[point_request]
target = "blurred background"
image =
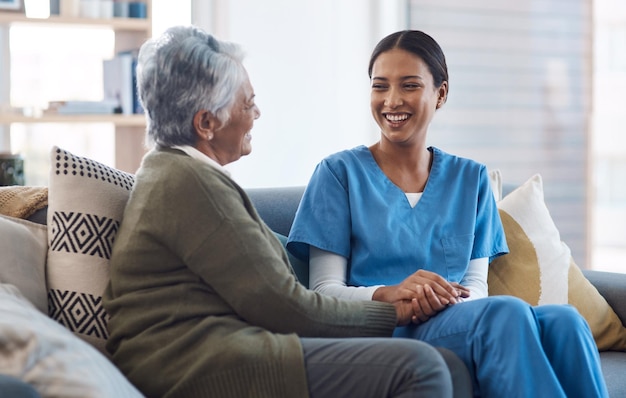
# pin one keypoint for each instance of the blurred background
(536, 86)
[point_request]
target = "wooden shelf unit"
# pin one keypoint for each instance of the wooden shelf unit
(117, 120)
(130, 33)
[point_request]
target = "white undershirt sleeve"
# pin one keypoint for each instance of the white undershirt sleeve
(475, 278)
(327, 275)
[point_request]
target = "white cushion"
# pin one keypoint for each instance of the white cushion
(49, 357)
(23, 248)
(540, 269)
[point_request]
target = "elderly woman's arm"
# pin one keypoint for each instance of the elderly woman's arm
(239, 257)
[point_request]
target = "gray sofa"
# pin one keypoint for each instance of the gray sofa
(277, 207)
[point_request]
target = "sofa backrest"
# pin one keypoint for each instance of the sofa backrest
(277, 206)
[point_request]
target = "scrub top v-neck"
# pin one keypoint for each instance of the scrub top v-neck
(350, 207)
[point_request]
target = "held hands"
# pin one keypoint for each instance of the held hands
(427, 293)
(405, 310)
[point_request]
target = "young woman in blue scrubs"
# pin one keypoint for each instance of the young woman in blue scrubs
(400, 219)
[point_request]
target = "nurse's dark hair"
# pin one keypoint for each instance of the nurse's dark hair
(418, 43)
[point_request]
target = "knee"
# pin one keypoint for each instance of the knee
(462, 383)
(420, 353)
(563, 316)
(508, 309)
(426, 363)
(508, 315)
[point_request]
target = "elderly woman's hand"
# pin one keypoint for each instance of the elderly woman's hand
(405, 311)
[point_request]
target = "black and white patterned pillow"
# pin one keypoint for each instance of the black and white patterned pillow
(86, 201)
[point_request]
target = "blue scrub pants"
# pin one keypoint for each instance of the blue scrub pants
(515, 350)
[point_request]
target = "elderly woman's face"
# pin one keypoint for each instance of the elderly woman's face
(232, 141)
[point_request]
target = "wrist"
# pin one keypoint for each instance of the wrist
(382, 294)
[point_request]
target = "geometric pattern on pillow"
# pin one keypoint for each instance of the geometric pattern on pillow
(86, 201)
(83, 233)
(79, 312)
(540, 269)
(65, 163)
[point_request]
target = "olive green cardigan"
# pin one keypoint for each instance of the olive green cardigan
(202, 299)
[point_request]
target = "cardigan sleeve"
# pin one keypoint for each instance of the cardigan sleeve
(230, 248)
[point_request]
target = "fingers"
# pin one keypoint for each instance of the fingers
(427, 303)
(462, 290)
(416, 310)
(405, 311)
(442, 287)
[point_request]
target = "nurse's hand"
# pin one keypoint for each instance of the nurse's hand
(462, 290)
(412, 287)
(432, 292)
(428, 304)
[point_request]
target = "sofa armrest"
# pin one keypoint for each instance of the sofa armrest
(612, 286)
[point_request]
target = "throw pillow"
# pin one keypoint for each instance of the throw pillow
(540, 269)
(24, 245)
(86, 201)
(42, 353)
(22, 201)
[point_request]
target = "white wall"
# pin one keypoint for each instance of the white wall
(308, 64)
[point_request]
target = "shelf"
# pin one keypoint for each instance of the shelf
(117, 24)
(117, 120)
(130, 34)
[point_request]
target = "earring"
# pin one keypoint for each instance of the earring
(209, 137)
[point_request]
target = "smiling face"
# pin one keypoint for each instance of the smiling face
(404, 97)
(229, 142)
(233, 140)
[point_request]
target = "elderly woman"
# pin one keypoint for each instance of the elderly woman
(202, 300)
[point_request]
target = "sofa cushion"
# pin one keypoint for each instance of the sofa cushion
(613, 368)
(42, 353)
(540, 269)
(24, 245)
(86, 201)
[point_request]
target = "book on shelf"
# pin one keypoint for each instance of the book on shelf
(83, 107)
(120, 82)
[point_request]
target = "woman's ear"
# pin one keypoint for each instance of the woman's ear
(205, 124)
(443, 94)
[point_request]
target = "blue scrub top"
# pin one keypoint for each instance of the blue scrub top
(351, 208)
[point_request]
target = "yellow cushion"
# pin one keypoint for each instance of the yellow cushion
(540, 269)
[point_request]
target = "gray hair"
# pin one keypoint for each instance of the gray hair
(183, 71)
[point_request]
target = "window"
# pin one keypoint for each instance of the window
(609, 142)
